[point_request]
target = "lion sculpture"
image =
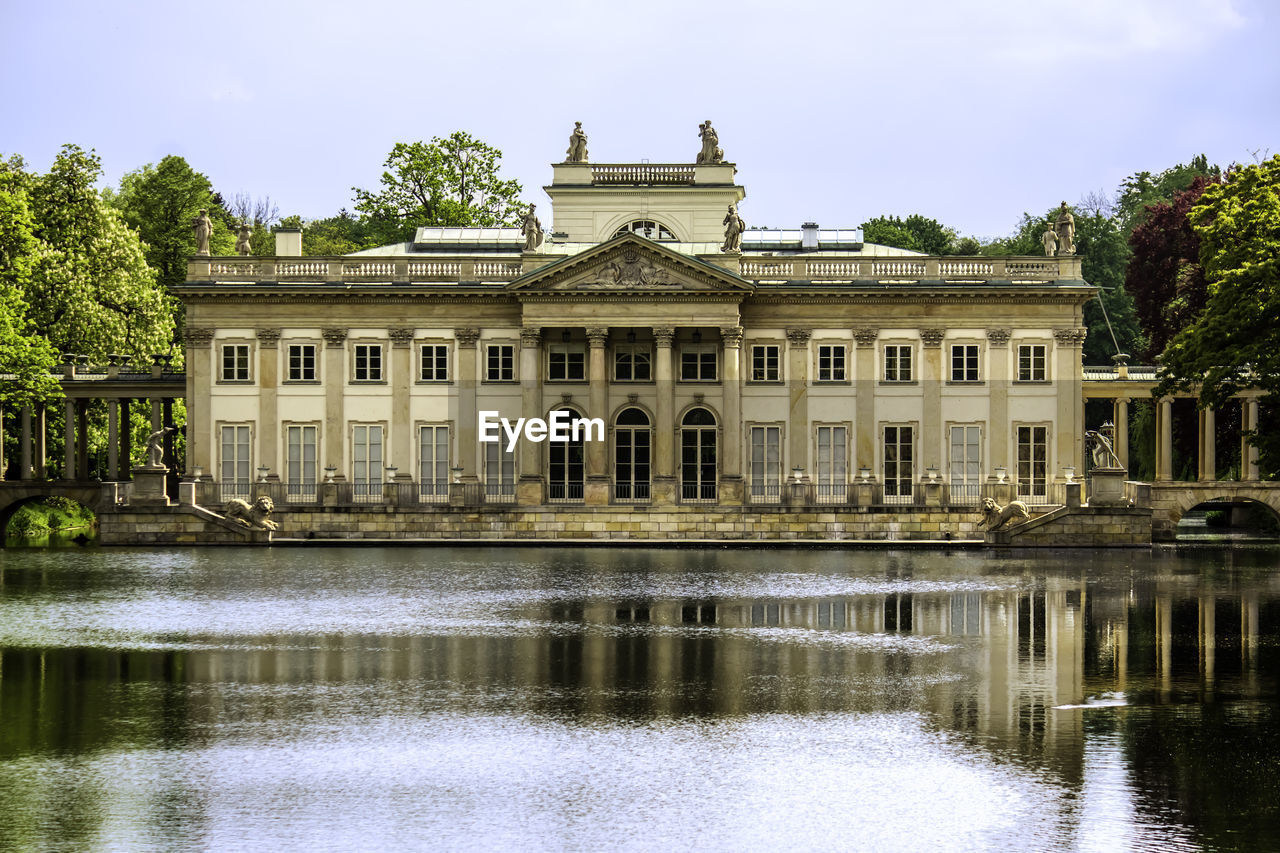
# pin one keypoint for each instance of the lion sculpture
(252, 515)
(997, 516)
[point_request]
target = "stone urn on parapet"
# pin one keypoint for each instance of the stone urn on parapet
(149, 477)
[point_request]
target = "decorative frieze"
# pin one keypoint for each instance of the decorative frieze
(998, 337)
(732, 335)
(466, 337)
(530, 336)
(799, 338)
(334, 338)
(196, 337)
(932, 338)
(865, 337)
(268, 338)
(400, 338)
(663, 337)
(1070, 337)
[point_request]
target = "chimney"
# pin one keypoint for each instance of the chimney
(809, 236)
(288, 242)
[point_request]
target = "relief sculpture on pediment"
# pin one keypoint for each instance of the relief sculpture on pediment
(629, 270)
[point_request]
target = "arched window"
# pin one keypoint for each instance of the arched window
(631, 454)
(698, 456)
(646, 228)
(566, 461)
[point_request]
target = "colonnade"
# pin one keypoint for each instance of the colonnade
(1206, 441)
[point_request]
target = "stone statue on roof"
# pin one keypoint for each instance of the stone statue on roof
(733, 228)
(577, 152)
(242, 239)
(1050, 240)
(711, 151)
(531, 228)
(203, 226)
(1066, 228)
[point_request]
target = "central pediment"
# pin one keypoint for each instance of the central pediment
(630, 264)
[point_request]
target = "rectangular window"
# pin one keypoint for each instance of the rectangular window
(966, 463)
(831, 360)
(964, 363)
(1031, 363)
(433, 464)
(899, 464)
(698, 364)
(766, 464)
(368, 366)
(566, 363)
(632, 363)
(366, 463)
(302, 362)
(832, 474)
(1033, 461)
(897, 363)
(236, 473)
(235, 362)
(765, 361)
(500, 363)
(300, 462)
(435, 363)
(499, 473)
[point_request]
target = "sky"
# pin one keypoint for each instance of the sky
(834, 112)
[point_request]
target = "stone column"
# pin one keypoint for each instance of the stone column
(1207, 448)
(27, 470)
(798, 386)
(126, 437)
(998, 400)
(113, 439)
(1164, 642)
(597, 485)
(42, 442)
(931, 415)
(467, 408)
(69, 446)
(1068, 376)
(335, 417)
(731, 484)
(268, 414)
(864, 391)
(3, 462)
(1120, 417)
(1248, 450)
(1164, 439)
(529, 491)
(157, 413)
(664, 431)
(200, 448)
(1208, 638)
(401, 425)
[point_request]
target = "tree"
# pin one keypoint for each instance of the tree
(1142, 190)
(916, 233)
(450, 181)
(1234, 343)
(1164, 274)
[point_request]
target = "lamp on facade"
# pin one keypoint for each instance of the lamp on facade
(263, 471)
(631, 336)
(564, 336)
(329, 472)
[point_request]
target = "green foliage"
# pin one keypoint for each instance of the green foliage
(916, 233)
(1235, 342)
(1142, 189)
(450, 181)
(42, 517)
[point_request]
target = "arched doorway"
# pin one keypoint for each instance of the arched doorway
(566, 464)
(631, 456)
(698, 442)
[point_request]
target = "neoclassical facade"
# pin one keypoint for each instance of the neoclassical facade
(724, 366)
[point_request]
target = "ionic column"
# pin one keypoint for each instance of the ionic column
(200, 448)
(1249, 450)
(113, 439)
(268, 415)
(664, 485)
(335, 384)
(1164, 439)
(931, 416)
(864, 390)
(798, 388)
(69, 440)
(529, 490)
(467, 407)
(731, 485)
(1120, 417)
(597, 486)
(1208, 446)
(998, 400)
(27, 471)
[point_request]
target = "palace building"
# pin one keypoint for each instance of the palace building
(727, 365)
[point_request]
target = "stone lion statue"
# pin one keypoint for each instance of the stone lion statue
(997, 516)
(252, 515)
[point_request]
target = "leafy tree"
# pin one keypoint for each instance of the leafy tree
(1142, 190)
(1164, 274)
(916, 233)
(1234, 343)
(450, 181)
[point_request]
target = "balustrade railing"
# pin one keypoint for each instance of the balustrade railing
(642, 173)
(764, 493)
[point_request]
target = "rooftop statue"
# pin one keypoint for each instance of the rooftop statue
(1066, 228)
(242, 239)
(203, 226)
(1050, 240)
(531, 228)
(577, 152)
(733, 228)
(711, 151)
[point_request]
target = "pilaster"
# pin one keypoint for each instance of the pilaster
(731, 483)
(931, 413)
(335, 385)
(998, 399)
(199, 358)
(466, 381)
(529, 490)
(597, 485)
(864, 390)
(664, 482)
(798, 386)
(268, 412)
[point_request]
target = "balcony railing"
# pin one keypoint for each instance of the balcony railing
(565, 493)
(631, 493)
(764, 493)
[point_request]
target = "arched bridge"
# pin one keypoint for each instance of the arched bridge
(1170, 500)
(94, 494)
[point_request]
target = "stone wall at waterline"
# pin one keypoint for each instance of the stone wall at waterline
(1080, 527)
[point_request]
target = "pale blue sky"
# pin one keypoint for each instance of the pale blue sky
(970, 112)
